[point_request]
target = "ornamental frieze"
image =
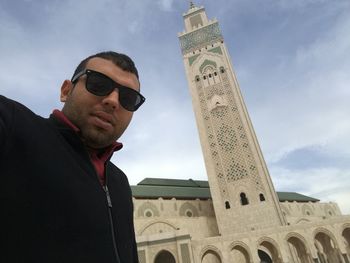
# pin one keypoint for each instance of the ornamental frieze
(200, 37)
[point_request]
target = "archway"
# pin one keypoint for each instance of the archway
(239, 255)
(299, 250)
(346, 236)
(211, 256)
(164, 256)
(156, 227)
(327, 249)
(268, 253)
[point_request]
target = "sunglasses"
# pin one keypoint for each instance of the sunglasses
(101, 85)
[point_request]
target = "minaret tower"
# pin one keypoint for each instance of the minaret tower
(243, 194)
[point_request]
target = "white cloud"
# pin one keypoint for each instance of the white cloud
(311, 107)
(328, 185)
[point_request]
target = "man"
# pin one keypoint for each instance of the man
(61, 198)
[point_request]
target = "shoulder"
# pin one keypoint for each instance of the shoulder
(9, 111)
(16, 119)
(12, 118)
(6, 105)
(9, 107)
(4, 101)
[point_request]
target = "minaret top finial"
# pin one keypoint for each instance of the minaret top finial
(192, 5)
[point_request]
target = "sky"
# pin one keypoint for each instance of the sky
(291, 59)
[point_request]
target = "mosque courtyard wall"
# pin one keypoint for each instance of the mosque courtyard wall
(187, 229)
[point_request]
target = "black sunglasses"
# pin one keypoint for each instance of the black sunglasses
(101, 85)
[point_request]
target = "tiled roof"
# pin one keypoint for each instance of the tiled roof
(192, 189)
(292, 196)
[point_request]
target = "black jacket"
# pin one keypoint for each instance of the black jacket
(53, 208)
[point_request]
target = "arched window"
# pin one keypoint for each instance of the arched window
(227, 205)
(261, 197)
(244, 199)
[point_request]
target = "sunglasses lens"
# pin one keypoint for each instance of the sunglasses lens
(98, 84)
(129, 98)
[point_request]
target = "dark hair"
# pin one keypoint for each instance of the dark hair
(120, 60)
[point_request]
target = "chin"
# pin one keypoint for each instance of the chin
(98, 140)
(97, 145)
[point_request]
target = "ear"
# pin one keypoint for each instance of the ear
(66, 89)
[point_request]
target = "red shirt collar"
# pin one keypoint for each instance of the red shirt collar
(59, 115)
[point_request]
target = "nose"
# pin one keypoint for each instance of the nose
(112, 100)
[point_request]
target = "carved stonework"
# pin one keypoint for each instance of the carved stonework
(200, 37)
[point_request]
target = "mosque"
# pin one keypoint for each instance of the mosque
(236, 216)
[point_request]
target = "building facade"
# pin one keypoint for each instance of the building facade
(236, 216)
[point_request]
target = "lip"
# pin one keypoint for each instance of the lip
(103, 119)
(104, 116)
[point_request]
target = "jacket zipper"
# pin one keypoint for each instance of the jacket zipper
(109, 201)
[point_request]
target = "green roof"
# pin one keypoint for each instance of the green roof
(292, 196)
(154, 188)
(173, 182)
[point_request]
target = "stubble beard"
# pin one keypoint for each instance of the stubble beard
(95, 137)
(92, 136)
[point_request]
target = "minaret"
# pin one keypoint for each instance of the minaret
(243, 194)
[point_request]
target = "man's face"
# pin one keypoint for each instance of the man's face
(101, 119)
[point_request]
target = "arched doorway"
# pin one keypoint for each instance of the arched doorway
(268, 253)
(346, 236)
(164, 256)
(327, 249)
(211, 256)
(239, 254)
(299, 250)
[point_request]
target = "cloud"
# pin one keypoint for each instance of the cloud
(307, 158)
(326, 184)
(166, 5)
(310, 97)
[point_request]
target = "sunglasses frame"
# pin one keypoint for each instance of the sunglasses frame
(118, 86)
